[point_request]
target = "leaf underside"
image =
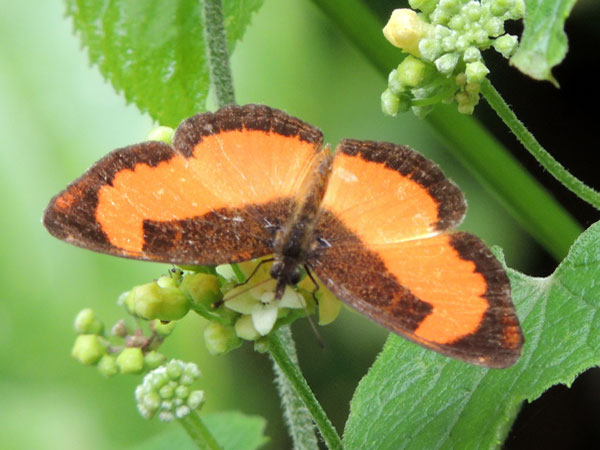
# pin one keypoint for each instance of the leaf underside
(544, 42)
(415, 398)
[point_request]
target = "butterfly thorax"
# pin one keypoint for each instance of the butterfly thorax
(296, 241)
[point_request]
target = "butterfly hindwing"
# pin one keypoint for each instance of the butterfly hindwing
(229, 174)
(443, 290)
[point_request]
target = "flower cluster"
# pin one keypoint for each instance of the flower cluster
(445, 42)
(120, 350)
(167, 391)
(236, 312)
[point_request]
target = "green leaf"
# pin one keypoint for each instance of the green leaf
(233, 430)
(415, 398)
(237, 431)
(154, 51)
(544, 43)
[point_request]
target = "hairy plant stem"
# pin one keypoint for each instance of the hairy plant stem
(288, 375)
(493, 166)
(192, 423)
(218, 57)
(281, 356)
(299, 422)
(542, 156)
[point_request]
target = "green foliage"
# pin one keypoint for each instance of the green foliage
(233, 430)
(544, 42)
(413, 398)
(154, 52)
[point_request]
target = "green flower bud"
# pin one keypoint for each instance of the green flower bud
(220, 339)
(423, 5)
(394, 84)
(131, 360)
(479, 36)
(472, 54)
(472, 11)
(151, 301)
(261, 345)
(449, 43)
(202, 288)
(439, 16)
(518, 11)
(163, 329)
(153, 359)
(450, 6)
(500, 7)
(108, 365)
(88, 349)
(182, 391)
(168, 281)
(462, 43)
(389, 103)
(422, 111)
(167, 391)
(412, 71)
(244, 328)
(461, 79)
(174, 369)
(445, 64)
(162, 134)
(457, 23)
(476, 72)
(86, 322)
(430, 49)
(405, 29)
(494, 26)
(506, 45)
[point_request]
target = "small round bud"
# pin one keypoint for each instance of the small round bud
(494, 26)
(244, 328)
(163, 329)
(329, 307)
(461, 79)
(476, 72)
(88, 349)
(195, 399)
(472, 11)
(182, 391)
(394, 84)
(389, 103)
(202, 288)
(423, 5)
(151, 301)
(220, 339)
(130, 360)
(167, 391)
(506, 45)
(472, 54)
(500, 7)
(405, 29)
(108, 365)
(153, 359)
(440, 16)
(457, 23)
(86, 322)
(445, 64)
(430, 49)
(412, 71)
(161, 134)
(517, 11)
(261, 345)
(450, 6)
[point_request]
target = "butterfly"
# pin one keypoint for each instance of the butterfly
(372, 220)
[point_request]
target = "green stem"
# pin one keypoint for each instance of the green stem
(293, 374)
(298, 419)
(542, 156)
(195, 428)
(494, 167)
(218, 58)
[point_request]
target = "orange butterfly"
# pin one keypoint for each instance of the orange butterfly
(371, 220)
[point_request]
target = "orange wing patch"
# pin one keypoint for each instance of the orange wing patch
(435, 273)
(212, 179)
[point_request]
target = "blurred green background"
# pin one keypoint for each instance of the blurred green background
(58, 116)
